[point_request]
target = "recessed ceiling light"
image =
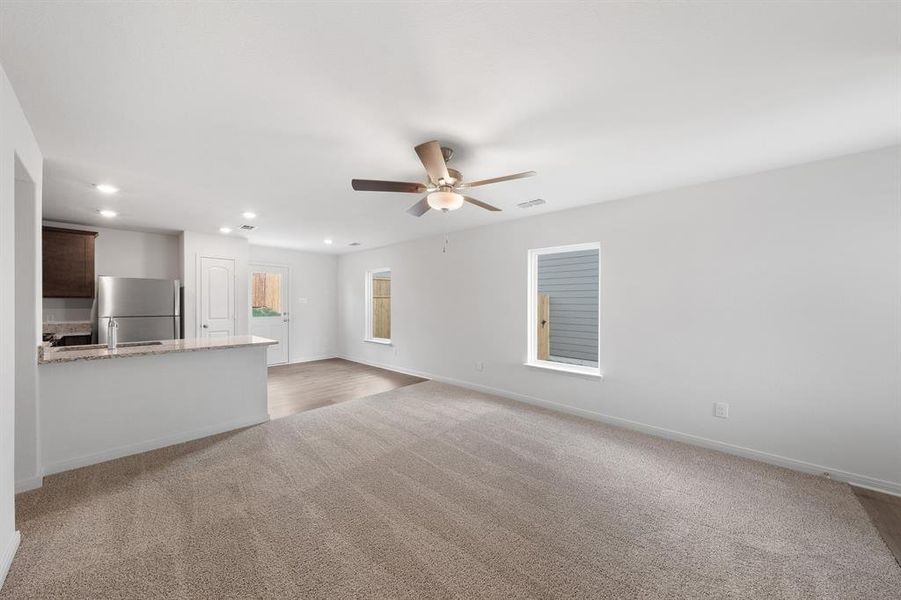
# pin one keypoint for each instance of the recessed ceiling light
(105, 188)
(249, 215)
(109, 214)
(327, 241)
(225, 230)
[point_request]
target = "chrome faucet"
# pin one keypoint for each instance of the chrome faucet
(112, 333)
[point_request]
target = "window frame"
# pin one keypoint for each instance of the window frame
(532, 311)
(367, 307)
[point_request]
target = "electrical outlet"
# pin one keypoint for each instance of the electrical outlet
(302, 300)
(721, 410)
(480, 366)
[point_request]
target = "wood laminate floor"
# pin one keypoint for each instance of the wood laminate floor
(885, 512)
(304, 386)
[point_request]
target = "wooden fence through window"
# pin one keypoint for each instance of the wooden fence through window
(381, 308)
(267, 291)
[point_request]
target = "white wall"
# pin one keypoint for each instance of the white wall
(27, 269)
(776, 292)
(18, 148)
(313, 306)
(120, 253)
(146, 402)
(195, 245)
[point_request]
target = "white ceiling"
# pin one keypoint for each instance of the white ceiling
(201, 111)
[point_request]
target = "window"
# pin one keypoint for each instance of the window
(564, 308)
(267, 294)
(378, 306)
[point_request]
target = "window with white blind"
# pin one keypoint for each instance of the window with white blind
(564, 308)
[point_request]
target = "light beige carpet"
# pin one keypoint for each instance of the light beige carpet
(431, 491)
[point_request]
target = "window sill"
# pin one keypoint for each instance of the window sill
(381, 341)
(564, 368)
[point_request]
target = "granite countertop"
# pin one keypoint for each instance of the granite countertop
(60, 329)
(100, 351)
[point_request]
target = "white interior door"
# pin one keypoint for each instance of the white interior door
(269, 316)
(217, 297)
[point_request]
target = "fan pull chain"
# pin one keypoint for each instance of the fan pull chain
(444, 250)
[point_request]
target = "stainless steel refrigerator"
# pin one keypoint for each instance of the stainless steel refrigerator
(145, 309)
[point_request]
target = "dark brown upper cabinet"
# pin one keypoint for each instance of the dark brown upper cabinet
(68, 263)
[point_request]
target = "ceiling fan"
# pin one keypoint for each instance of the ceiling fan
(443, 186)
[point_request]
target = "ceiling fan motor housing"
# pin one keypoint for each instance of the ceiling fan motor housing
(456, 176)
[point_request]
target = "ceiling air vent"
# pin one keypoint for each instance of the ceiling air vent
(247, 227)
(531, 203)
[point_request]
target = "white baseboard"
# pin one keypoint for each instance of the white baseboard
(864, 481)
(307, 359)
(403, 370)
(28, 484)
(9, 552)
(187, 436)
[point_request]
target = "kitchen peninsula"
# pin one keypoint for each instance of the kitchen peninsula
(98, 404)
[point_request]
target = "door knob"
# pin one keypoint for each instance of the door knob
(205, 326)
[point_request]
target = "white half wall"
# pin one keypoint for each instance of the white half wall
(146, 402)
(20, 159)
(119, 253)
(779, 293)
(313, 304)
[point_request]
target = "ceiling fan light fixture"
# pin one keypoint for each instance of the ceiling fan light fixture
(445, 201)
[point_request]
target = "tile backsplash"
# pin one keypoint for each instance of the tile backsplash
(67, 309)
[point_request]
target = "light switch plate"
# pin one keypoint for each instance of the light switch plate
(721, 410)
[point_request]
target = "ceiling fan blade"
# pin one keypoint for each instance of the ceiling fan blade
(481, 204)
(433, 161)
(375, 185)
(420, 208)
(472, 184)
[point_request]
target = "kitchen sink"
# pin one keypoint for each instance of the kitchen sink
(134, 344)
(101, 346)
